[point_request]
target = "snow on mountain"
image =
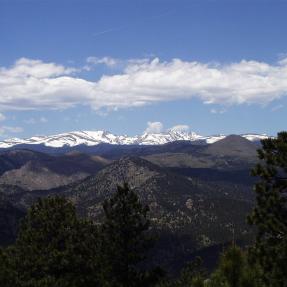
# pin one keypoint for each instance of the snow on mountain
(255, 137)
(91, 138)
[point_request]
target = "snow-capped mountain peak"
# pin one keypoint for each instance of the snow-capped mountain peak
(92, 138)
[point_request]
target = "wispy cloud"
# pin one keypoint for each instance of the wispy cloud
(132, 23)
(218, 111)
(276, 108)
(99, 33)
(33, 121)
(108, 61)
(2, 117)
(30, 121)
(43, 120)
(9, 129)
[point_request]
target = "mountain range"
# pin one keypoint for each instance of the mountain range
(199, 193)
(92, 138)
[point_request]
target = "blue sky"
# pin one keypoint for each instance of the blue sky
(216, 66)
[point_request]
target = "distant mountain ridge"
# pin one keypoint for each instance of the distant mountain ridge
(93, 138)
(32, 170)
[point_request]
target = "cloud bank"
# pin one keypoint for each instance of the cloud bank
(34, 84)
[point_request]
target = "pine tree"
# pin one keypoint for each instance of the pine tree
(270, 213)
(192, 275)
(125, 241)
(234, 270)
(231, 266)
(54, 247)
(7, 274)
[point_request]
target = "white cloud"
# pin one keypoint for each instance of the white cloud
(25, 68)
(33, 84)
(180, 128)
(2, 117)
(9, 129)
(154, 128)
(108, 61)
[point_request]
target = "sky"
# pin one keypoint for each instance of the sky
(134, 66)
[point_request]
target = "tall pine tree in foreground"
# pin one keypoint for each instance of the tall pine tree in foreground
(53, 248)
(125, 241)
(270, 213)
(234, 270)
(192, 275)
(7, 274)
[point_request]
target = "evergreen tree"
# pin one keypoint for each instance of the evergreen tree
(234, 270)
(125, 241)
(7, 274)
(270, 213)
(231, 266)
(192, 275)
(54, 248)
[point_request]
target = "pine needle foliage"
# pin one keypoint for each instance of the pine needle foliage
(54, 248)
(270, 213)
(125, 240)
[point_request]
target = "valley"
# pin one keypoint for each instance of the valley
(198, 194)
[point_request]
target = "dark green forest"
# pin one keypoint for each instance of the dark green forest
(57, 247)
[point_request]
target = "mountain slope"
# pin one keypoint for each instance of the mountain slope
(232, 146)
(36, 176)
(230, 152)
(38, 171)
(177, 204)
(187, 212)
